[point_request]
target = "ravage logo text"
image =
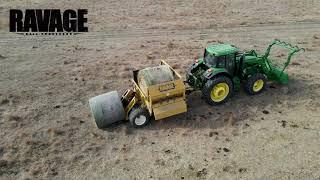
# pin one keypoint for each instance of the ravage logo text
(48, 21)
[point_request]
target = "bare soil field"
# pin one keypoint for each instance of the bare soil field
(48, 132)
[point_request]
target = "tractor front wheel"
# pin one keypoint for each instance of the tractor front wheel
(139, 117)
(218, 90)
(256, 84)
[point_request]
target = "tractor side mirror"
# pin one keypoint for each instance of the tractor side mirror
(242, 58)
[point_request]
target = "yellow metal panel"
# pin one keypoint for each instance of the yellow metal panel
(176, 85)
(169, 110)
(142, 97)
(165, 99)
(130, 106)
(167, 90)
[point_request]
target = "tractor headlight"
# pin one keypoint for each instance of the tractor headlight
(208, 73)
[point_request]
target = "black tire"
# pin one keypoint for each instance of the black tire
(250, 84)
(210, 84)
(136, 116)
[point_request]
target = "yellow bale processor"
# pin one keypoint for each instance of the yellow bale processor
(158, 92)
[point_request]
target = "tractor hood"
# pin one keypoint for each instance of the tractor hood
(204, 71)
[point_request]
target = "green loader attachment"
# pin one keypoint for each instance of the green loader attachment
(276, 73)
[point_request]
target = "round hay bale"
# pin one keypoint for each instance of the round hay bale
(155, 75)
(107, 109)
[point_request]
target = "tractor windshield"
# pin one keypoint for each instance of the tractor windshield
(210, 59)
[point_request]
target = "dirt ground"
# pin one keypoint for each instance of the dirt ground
(47, 131)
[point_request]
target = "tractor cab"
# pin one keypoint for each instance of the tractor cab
(221, 56)
(220, 49)
(216, 55)
(218, 59)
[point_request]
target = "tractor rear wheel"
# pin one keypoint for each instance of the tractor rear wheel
(217, 91)
(139, 117)
(256, 84)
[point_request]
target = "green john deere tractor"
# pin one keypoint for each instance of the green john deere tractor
(223, 68)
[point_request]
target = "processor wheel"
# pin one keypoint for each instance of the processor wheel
(139, 117)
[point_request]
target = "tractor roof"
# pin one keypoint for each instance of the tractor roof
(221, 49)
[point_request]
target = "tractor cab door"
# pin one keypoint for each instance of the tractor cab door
(231, 63)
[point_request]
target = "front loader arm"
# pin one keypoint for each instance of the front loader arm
(291, 53)
(292, 50)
